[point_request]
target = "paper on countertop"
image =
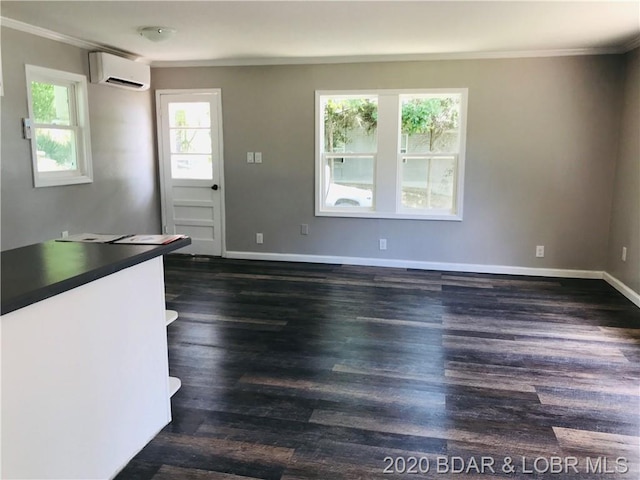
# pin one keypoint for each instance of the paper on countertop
(149, 239)
(91, 238)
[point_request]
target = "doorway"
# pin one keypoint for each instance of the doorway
(191, 167)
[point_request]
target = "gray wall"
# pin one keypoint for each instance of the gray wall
(540, 165)
(123, 197)
(543, 137)
(625, 217)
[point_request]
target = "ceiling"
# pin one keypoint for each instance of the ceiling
(268, 32)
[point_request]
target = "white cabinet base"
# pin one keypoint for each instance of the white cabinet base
(84, 377)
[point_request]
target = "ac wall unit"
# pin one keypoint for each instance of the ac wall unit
(118, 72)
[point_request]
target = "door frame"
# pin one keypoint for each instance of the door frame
(161, 161)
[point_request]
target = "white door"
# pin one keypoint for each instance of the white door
(190, 147)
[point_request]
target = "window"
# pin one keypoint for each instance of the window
(390, 154)
(349, 151)
(190, 140)
(59, 116)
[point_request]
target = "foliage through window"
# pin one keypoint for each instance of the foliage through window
(190, 140)
(350, 126)
(431, 129)
(390, 154)
(60, 138)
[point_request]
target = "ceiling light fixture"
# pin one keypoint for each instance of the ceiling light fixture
(157, 34)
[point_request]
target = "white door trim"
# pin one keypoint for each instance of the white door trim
(163, 192)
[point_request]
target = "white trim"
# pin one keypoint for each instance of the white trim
(79, 124)
(634, 43)
(632, 295)
(243, 62)
(420, 265)
(354, 212)
(387, 185)
(164, 202)
(61, 37)
(1, 85)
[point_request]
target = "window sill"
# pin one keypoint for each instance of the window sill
(389, 215)
(60, 180)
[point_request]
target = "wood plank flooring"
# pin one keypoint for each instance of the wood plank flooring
(303, 371)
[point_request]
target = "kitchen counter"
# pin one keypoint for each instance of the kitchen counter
(35, 272)
(85, 371)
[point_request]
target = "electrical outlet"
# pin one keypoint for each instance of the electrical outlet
(383, 244)
(540, 251)
(259, 238)
(65, 234)
(624, 254)
(304, 229)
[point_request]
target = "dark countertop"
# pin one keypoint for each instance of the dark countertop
(35, 272)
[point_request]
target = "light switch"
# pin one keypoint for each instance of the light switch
(26, 128)
(249, 157)
(258, 157)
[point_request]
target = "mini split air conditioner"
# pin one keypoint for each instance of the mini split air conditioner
(118, 72)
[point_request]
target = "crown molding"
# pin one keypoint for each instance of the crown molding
(244, 62)
(631, 45)
(60, 37)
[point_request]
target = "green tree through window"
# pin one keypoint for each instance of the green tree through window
(43, 98)
(404, 148)
(51, 107)
(342, 117)
(432, 116)
(60, 138)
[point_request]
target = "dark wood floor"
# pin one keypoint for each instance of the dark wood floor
(302, 371)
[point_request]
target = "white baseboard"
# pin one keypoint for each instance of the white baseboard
(633, 296)
(622, 288)
(445, 267)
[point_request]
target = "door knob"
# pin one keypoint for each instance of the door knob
(214, 187)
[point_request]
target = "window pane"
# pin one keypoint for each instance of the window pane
(350, 125)
(50, 103)
(427, 183)
(56, 149)
(196, 167)
(184, 140)
(189, 115)
(430, 124)
(349, 182)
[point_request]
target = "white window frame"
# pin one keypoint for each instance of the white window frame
(79, 119)
(387, 198)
